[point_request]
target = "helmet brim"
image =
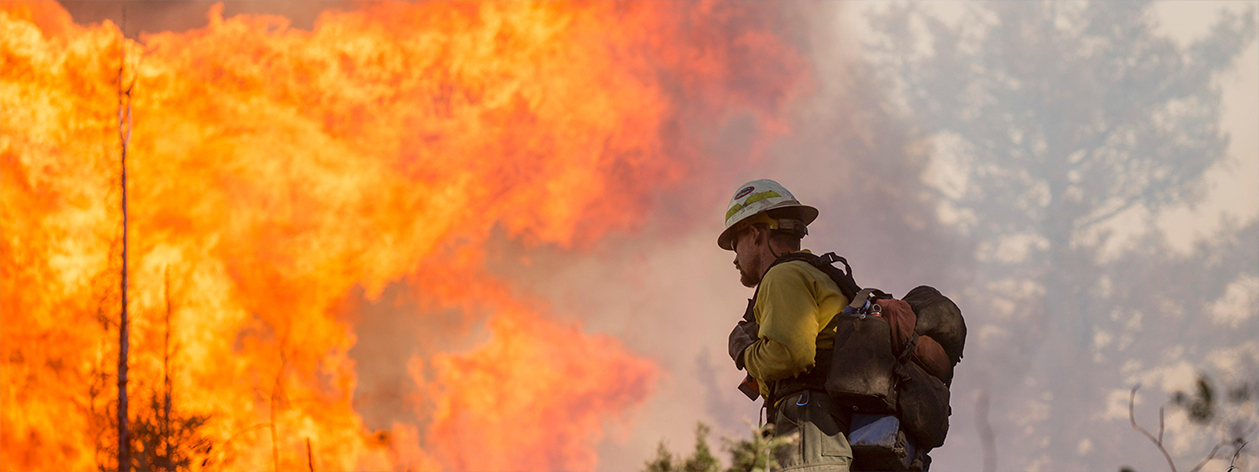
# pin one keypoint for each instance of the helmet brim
(804, 213)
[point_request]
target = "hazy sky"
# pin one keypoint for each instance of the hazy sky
(1234, 185)
(1235, 191)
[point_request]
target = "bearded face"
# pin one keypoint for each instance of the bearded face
(748, 279)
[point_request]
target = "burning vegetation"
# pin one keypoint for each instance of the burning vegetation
(273, 170)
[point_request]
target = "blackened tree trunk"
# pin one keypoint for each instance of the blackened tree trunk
(124, 136)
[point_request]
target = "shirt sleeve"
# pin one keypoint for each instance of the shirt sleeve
(786, 310)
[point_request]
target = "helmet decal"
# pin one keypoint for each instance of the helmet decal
(754, 198)
(744, 192)
(761, 196)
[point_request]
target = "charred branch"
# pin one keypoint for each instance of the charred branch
(124, 138)
(310, 458)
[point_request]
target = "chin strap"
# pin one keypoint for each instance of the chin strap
(776, 255)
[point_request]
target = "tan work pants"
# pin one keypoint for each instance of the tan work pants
(821, 445)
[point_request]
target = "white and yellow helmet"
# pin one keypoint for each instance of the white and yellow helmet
(763, 201)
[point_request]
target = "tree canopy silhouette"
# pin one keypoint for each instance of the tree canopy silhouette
(1049, 120)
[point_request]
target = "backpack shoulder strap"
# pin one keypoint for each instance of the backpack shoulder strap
(847, 285)
(826, 263)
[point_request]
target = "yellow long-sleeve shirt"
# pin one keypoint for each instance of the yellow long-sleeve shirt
(794, 302)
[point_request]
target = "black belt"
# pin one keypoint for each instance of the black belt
(814, 379)
(842, 415)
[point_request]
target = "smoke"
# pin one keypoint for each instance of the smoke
(666, 290)
(156, 16)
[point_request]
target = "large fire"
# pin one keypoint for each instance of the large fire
(274, 170)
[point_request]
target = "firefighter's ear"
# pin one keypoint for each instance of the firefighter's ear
(761, 235)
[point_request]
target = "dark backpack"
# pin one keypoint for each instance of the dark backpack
(884, 373)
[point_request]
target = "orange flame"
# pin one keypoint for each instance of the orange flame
(272, 170)
(536, 395)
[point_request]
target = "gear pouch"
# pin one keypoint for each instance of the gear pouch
(863, 373)
(923, 406)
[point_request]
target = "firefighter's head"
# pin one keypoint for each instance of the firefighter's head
(763, 221)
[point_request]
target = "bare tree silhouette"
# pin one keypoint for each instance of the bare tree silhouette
(1048, 121)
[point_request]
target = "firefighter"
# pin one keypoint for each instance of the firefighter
(782, 331)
